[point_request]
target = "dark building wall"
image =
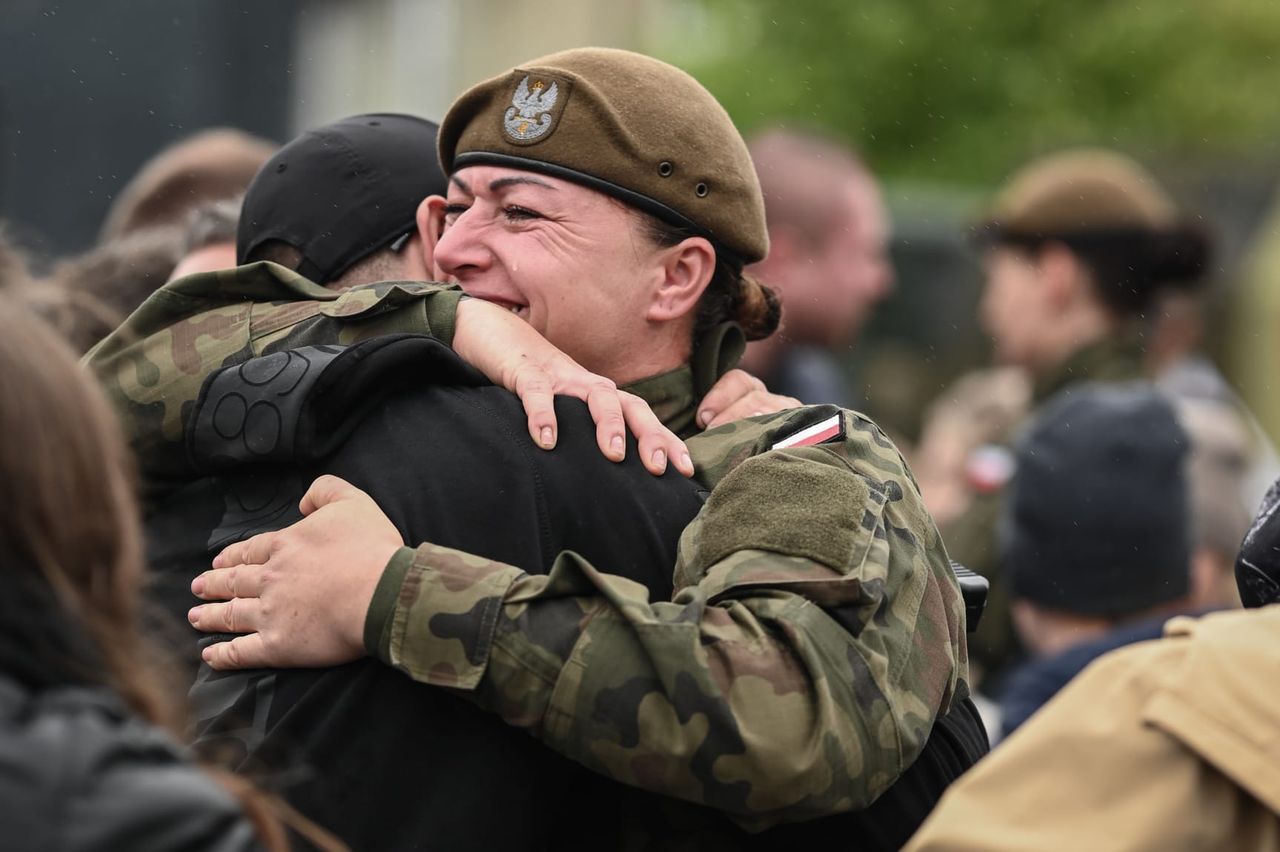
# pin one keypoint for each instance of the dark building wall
(89, 90)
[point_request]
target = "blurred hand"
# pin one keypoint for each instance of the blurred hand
(300, 595)
(511, 354)
(739, 394)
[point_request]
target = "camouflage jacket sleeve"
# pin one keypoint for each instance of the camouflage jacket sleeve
(153, 366)
(815, 633)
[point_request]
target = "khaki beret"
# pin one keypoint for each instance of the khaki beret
(1082, 190)
(627, 125)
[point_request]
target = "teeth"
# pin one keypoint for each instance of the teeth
(515, 309)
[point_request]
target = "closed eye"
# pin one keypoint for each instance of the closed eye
(515, 213)
(453, 211)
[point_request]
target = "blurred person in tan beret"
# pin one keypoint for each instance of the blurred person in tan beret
(1077, 246)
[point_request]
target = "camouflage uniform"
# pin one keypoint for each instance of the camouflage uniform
(972, 537)
(153, 366)
(798, 669)
(739, 693)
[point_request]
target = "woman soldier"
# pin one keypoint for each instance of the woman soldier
(606, 198)
(1079, 245)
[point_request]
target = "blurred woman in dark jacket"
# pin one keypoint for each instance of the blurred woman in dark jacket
(88, 753)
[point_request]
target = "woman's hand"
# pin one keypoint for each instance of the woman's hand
(298, 596)
(511, 354)
(739, 394)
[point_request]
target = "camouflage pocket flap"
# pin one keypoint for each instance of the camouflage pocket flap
(795, 504)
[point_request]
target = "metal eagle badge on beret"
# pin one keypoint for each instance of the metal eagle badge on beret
(533, 112)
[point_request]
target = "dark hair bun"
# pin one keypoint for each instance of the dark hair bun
(758, 309)
(1132, 266)
(1180, 256)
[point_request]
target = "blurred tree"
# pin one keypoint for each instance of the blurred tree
(965, 91)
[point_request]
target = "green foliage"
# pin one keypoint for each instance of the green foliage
(965, 91)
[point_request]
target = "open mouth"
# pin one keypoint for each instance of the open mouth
(516, 308)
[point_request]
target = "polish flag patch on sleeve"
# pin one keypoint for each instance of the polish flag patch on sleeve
(831, 429)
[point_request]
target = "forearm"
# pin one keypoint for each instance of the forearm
(748, 705)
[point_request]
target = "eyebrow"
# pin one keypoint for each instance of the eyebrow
(503, 183)
(500, 183)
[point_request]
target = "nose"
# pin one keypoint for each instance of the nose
(462, 249)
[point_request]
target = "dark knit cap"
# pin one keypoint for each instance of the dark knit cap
(625, 124)
(1098, 518)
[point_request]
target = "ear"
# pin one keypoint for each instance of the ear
(430, 218)
(685, 270)
(1061, 274)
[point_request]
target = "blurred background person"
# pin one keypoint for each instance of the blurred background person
(1176, 358)
(210, 165)
(1078, 246)
(89, 749)
(1096, 536)
(1220, 474)
(828, 260)
(954, 462)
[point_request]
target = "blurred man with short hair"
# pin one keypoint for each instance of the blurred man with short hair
(828, 261)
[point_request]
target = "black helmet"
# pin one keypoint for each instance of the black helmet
(1258, 565)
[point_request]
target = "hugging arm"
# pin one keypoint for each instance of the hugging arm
(815, 634)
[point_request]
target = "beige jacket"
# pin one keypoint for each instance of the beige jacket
(1164, 745)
